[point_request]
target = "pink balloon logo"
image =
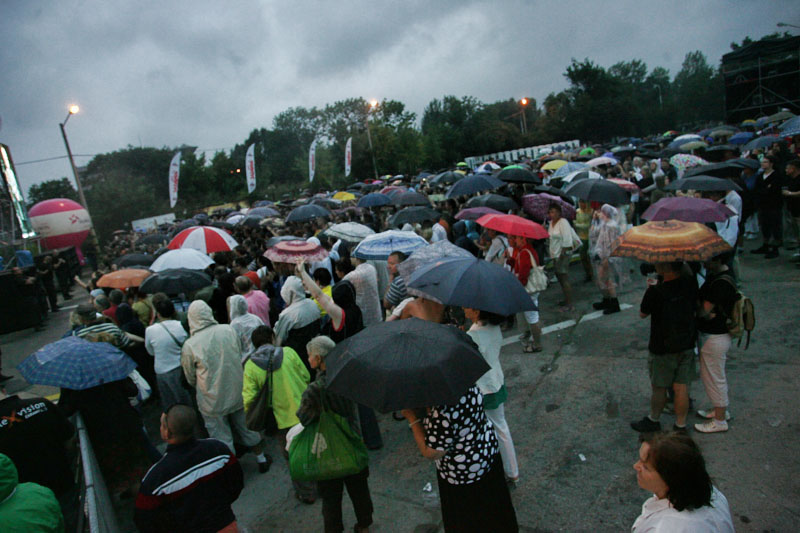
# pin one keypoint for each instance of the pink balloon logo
(62, 222)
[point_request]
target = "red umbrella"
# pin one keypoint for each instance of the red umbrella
(514, 225)
(296, 251)
(206, 239)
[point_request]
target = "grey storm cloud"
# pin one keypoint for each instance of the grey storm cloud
(206, 73)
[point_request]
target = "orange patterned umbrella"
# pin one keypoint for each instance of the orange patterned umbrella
(670, 240)
(123, 279)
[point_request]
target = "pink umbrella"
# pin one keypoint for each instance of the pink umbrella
(474, 213)
(602, 160)
(206, 239)
(537, 205)
(296, 251)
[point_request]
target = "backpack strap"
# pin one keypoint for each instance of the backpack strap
(180, 344)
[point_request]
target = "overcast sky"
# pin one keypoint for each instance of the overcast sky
(207, 73)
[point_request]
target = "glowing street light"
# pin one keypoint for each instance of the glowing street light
(372, 105)
(523, 119)
(73, 109)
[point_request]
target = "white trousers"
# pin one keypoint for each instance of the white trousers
(223, 428)
(713, 353)
(507, 453)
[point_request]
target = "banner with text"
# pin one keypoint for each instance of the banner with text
(348, 156)
(174, 175)
(250, 168)
(312, 160)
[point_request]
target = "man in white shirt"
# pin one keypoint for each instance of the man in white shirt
(164, 340)
(562, 242)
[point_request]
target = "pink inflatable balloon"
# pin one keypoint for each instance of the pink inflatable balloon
(61, 221)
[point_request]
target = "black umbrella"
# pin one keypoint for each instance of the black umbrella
(518, 175)
(410, 198)
(495, 201)
(472, 282)
(722, 148)
(473, 184)
(599, 191)
(703, 183)
(411, 215)
(330, 203)
(745, 162)
(251, 221)
(304, 213)
(130, 260)
(446, 178)
(221, 224)
(263, 203)
(263, 212)
(405, 364)
(175, 281)
(155, 238)
(719, 170)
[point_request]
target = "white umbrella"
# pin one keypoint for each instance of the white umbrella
(349, 231)
(181, 258)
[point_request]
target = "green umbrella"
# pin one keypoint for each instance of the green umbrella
(587, 151)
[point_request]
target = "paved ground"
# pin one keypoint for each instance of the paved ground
(568, 410)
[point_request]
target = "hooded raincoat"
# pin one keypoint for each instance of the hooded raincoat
(26, 507)
(299, 312)
(243, 322)
(212, 362)
(290, 378)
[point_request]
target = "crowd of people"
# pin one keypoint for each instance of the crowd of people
(268, 326)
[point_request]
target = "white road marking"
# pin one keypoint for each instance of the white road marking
(563, 325)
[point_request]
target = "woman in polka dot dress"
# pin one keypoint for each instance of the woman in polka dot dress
(472, 488)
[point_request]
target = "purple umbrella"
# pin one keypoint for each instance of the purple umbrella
(688, 209)
(537, 205)
(474, 213)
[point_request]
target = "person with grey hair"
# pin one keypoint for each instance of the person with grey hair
(316, 399)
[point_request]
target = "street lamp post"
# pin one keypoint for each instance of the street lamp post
(372, 105)
(523, 120)
(72, 110)
(660, 102)
(785, 25)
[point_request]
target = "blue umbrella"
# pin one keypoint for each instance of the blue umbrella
(790, 128)
(77, 364)
(572, 166)
(474, 283)
(763, 142)
(742, 137)
(374, 199)
(410, 198)
(473, 184)
(380, 245)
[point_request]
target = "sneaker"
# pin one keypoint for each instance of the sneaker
(709, 413)
(263, 466)
(712, 426)
(645, 425)
(678, 429)
(772, 254)
(762, 250)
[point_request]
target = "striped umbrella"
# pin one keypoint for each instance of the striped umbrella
(206, 239)
(670, 240)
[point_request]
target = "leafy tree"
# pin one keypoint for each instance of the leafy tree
(46, 190)
(699, 91)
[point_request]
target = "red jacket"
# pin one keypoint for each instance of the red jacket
(520, 262)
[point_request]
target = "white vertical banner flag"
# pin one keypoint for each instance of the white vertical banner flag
(312, 160)
(174, 175)
(348, 156)
(250, 168)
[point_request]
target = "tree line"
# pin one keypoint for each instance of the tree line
(598, 104)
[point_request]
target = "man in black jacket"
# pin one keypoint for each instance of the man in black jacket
(769, 202)
(192, 488)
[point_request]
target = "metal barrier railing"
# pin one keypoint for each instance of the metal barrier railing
(95, 498)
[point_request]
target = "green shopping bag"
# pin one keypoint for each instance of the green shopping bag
(327, 449)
